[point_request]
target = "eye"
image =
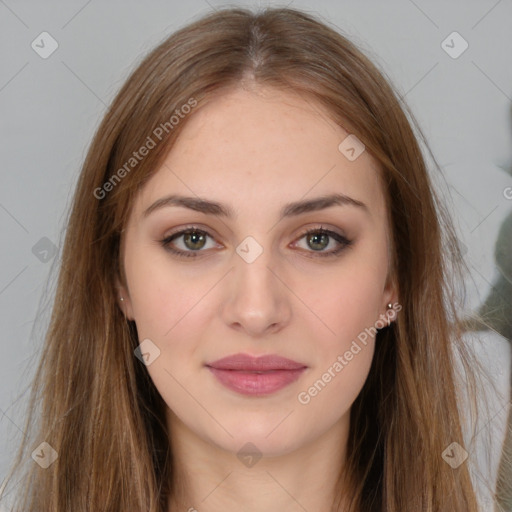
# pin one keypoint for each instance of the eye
(193, 240)
(319, 239)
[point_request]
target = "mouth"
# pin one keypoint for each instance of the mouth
(250, 375)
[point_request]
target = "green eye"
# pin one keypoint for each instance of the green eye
(194, 240)
(319, 239)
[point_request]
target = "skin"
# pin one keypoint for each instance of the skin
(254, 150)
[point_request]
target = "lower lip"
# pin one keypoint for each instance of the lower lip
(250, 383)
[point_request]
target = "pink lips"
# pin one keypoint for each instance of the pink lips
(256, 375)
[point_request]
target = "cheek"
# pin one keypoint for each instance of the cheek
(162, 298)
(349, 306)
(349, 301)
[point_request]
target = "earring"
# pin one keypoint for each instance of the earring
(121, 298)
(390, 307)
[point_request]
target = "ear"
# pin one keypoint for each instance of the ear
(123, 300)
(391, 296)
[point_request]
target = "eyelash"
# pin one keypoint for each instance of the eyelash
(344, 242)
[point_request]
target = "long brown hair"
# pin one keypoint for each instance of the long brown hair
(98, 407)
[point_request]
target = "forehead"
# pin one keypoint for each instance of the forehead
(262, 146)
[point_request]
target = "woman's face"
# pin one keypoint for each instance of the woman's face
(247, 279)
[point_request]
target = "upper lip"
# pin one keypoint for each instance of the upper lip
(249, 363)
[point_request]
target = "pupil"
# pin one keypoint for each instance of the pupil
(318, 241)
(194, 238)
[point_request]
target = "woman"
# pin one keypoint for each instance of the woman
(253, 308)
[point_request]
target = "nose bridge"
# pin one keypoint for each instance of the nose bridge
(252, 263)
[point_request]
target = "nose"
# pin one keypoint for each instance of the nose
(257, 302)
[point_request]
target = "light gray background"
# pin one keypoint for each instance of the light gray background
(51, 107)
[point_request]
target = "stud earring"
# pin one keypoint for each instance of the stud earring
(121, 298)
(390, 307)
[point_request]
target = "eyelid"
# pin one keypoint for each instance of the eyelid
(166, 241)
(190, 227)
(342, 241)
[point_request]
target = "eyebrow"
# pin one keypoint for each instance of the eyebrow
(289, 210)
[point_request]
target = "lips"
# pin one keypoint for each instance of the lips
(262, 375)
(245, 362)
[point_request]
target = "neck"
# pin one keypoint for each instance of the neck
(209, 478)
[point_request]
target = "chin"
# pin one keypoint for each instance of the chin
(270, 437)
